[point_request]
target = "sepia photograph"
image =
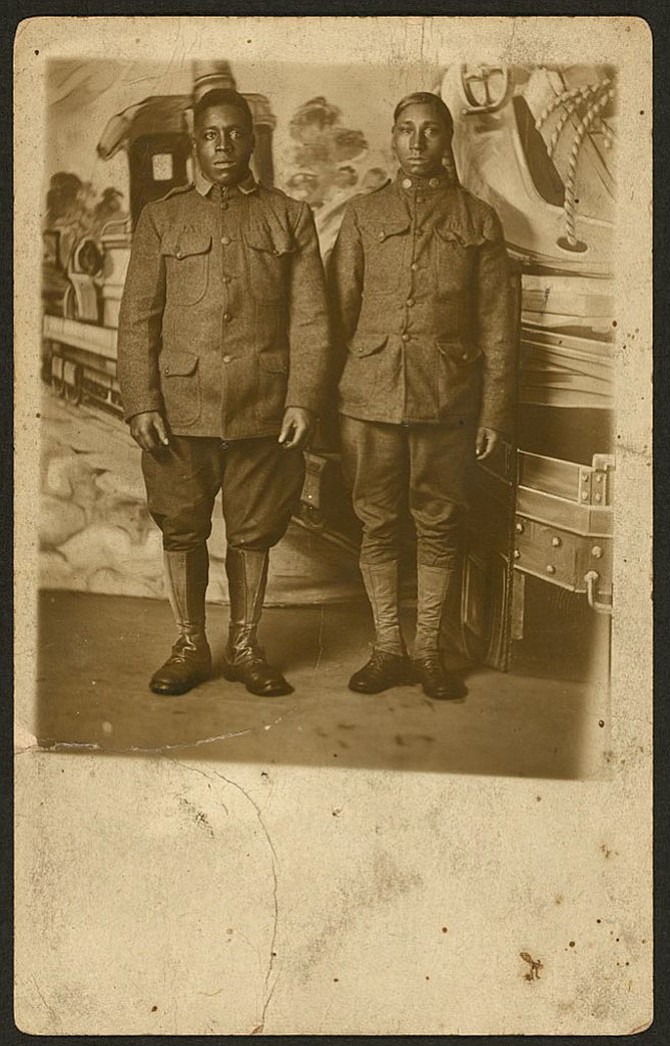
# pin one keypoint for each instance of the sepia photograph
(329, 395)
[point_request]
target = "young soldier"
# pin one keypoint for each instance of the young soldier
(223, 341)
(423, 311)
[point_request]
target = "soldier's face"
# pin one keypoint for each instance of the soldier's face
(223, 143)
(420, 140)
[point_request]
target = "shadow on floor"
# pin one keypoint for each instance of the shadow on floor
(97, 652)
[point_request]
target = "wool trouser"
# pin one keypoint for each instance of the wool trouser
(430, 464)
(259, 480)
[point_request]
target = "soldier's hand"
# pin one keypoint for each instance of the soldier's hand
(149, 430)
(297, 427)
(485, 442)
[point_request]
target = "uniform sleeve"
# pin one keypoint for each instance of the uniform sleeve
(140, 321)
(345, 283)
(497, 330)
(310, 371)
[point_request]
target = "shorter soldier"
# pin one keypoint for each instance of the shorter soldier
(223, 358)
(423, 316)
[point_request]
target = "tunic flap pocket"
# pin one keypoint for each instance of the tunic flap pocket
(459, 235)
(274, 362)
(381, 230)
(178, 363)
(275, 240)
(185, 242)
(367, 344)
(457, 350)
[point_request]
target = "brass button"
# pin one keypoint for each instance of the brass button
(517, 554)
(227, 317)
(414, 266)
(434, 183)
(556, 542)
(409, 303)
(597, 552)
(407, 183)
(464, 356)
(166, 370)
(419, 199)
(551, 569)
(225, 240)
(178, 253)
(519, 528)
(227, 359)
(227, 279)
(405, 337)
(382, 235)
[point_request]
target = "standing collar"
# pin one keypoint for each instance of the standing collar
(203, 184)
(411, 182)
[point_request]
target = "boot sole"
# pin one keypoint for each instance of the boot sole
(455, 694)
(235, 675)
(408, 680)
(177, 690)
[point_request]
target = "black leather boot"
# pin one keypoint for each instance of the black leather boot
(190, 661)
(245, 662)
(437, 681)
(381, 672)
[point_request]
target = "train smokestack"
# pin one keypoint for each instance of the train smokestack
(209, 76)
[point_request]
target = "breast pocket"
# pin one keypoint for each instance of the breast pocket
(455, 258)
(268, 253)
(385, 244)
(187, 260)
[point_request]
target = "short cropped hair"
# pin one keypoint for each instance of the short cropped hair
(426, 98)
(222, 96)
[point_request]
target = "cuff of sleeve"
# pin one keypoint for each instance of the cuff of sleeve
(131, 409)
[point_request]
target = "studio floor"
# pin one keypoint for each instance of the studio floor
(548, 717)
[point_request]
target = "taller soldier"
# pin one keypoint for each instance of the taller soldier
(223, 363)
(424, 319)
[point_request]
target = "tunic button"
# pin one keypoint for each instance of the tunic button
(382, 236)
(227, 317)
(407, 183)
(464, 356)
(227, 279)
(227, 359)
(405, 337)
(414, 266)
(434, 183)
(409, 303)
(225, 240)
(178, 253)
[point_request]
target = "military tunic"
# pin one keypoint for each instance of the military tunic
(223, 320)
(423, 307)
